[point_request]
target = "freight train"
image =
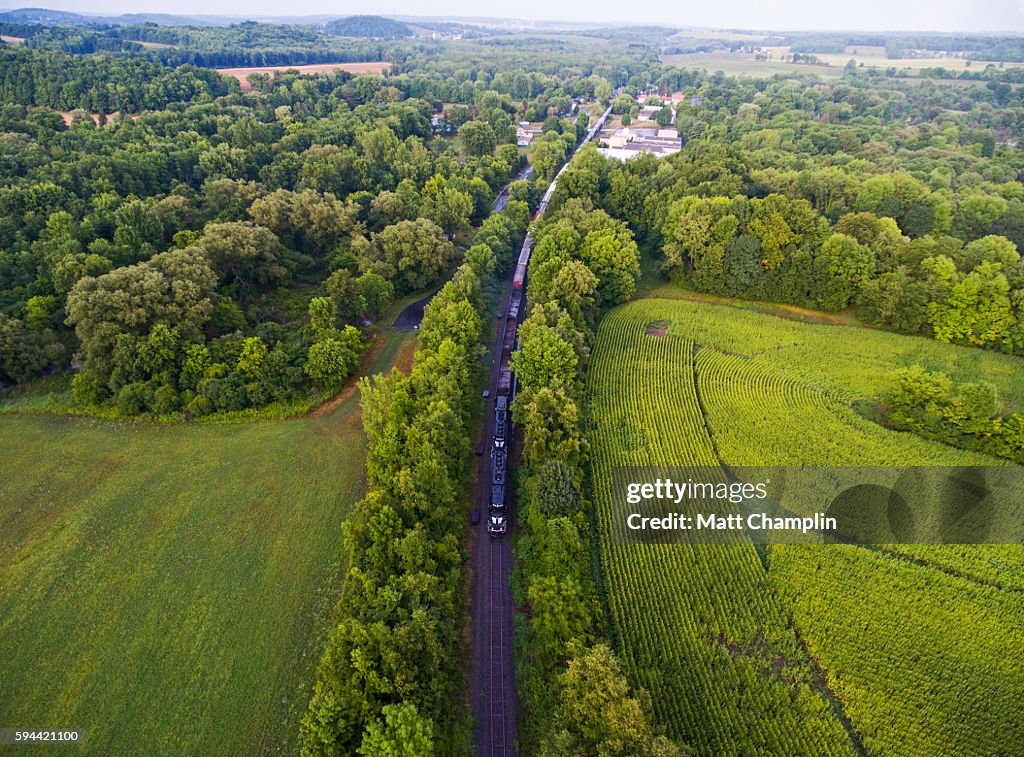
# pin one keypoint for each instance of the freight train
(497, 522)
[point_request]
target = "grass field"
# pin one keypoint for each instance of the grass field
(831, 66)
(740, 64)
(829, 649)
(166, 588)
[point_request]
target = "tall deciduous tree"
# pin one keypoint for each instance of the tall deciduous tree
(478, 138)
(172, 288)
(413, 254)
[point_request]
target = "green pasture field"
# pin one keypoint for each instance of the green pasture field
(797, 649)
(166, 587)
(745, 65)
(830, 68)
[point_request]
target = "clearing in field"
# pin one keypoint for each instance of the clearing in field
(168, 586)
(658, 328)
(372, 67)
(823, 650)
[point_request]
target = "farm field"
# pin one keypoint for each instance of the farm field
(168, 586)
(743, 64)
(831, 66)
(372, 67)
(830, 649)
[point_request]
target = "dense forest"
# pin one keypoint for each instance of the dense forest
(243, 44)
(367, 26)
(102, 85)
(264, 229)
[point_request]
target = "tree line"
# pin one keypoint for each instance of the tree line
(391, 668)
(967, 415)
(100, 84)
(917, 226)
(244, 44)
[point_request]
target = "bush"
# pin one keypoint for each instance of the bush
(131, 400)
(88, 390)
(165, 400)
(199, 405)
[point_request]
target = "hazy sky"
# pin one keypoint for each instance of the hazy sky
(936, 15)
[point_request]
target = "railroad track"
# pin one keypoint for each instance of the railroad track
(492, 671)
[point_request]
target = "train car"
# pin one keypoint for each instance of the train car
(524, 256)
(505, 380)
(500, 426)
(499, 463)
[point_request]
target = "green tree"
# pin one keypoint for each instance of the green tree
(376, 292)
(977, 309)
(39, 312)
(559, 614)
(599, 715)
(173, 288)
(446, 206)
(250, 258)
(252, 357)
(612, 255)
(556, 490)
(543, 357)
(25, 352)
(347, 295)
(139, 228)
(334, 358)
(847, 264)
(403, 733)
(478, 138)
(549, 417)
(413, 254)
(323, 316)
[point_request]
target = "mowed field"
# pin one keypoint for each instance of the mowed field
(372, 67)
(803, 649)
(166, 588)
(742, 64)
(830, 67)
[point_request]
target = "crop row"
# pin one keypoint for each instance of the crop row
(912, 649)
(699, 626)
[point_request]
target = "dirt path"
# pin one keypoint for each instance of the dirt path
(378, 359)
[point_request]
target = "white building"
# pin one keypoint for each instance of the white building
(628, 143)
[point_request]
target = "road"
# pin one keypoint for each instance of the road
(412, 314)
(502, 199)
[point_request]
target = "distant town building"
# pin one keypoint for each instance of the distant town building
(628, 143)
(526, 132)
